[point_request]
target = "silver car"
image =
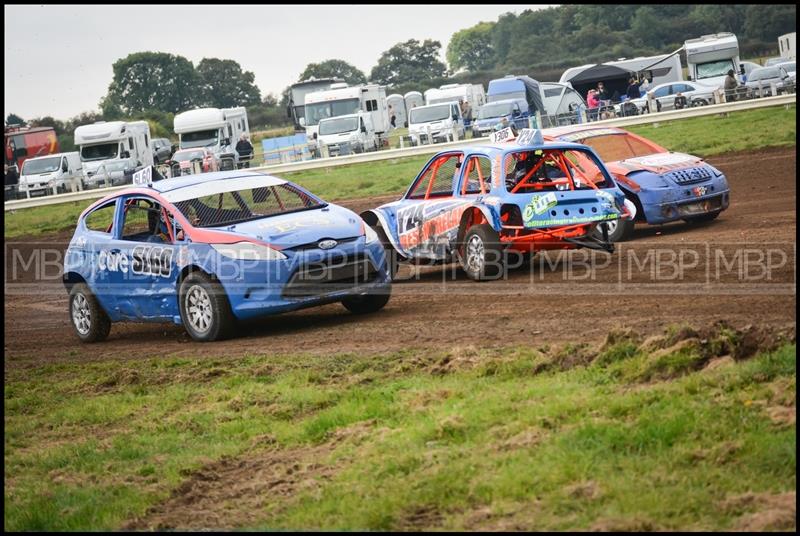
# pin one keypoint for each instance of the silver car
(112, 174)
(760, 82)
(664, 94)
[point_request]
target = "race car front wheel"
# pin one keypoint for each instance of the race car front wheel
(618, 230)
(205, 310)
(89, 320)
(366, 303)
(482, 254)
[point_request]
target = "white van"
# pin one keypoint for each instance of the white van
(112, 144)
(60, 172)
(348, 133)
(435, 123)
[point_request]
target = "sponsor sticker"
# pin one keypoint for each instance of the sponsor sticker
(539, 205)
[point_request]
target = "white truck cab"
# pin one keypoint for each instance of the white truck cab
(342, 99)
(123, 143)
(217, 129)
(52, 173)
(435, 123)
(353, 133)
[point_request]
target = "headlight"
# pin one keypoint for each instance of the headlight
(248, 251)
(370, 234)
(51, 183)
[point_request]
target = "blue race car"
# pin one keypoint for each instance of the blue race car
(516, 195)
(665, 186)
(206, 250)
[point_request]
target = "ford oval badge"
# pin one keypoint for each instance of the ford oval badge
(327, 244)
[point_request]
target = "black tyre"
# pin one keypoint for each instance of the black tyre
(711, 216)
(205, 310)
(367, 303)
(618, 230)
(89, 320)
(482, 254)
(391, 254)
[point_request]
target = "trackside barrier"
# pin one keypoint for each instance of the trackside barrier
(390, 154)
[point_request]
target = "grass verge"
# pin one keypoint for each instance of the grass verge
(704, 136)
(631, 436)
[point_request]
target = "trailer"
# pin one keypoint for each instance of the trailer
(787, 45)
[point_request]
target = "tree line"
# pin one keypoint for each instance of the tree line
(542, 43)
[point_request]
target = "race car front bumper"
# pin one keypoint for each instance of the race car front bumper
(663, 205)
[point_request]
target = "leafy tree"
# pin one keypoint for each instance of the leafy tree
(223, 84)
(14, 119)
(152, 81)
(268, 114)
(471, 48)
(770, 21)
(48, 121)
(334, 69)
(408, 62)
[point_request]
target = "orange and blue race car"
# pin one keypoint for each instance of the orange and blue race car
(665, 186)
(515, 195)
(207, 250)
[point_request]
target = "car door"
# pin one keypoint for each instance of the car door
(145, 238)
(425, 218)
(665, 97)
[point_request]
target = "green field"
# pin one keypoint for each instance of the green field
(704, 136)
(631, 435)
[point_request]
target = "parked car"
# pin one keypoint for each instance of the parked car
(510, 197)
(665, 186)
(183, 161)
(111, 173)
(162, 150)
(41, 175)
(774, 61)
(207, 250)
(790, 67)
(515, 111)
(664, 94)
(441, 121)
(760, 81)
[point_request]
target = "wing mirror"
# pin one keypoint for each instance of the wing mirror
(302, 121)
(64, 167)
(364, 129)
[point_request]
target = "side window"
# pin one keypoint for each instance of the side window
(437, 180)
(662, 91)
(477, 177)
(146, 142)
(144, 222)
(130, 143)
(101, 218)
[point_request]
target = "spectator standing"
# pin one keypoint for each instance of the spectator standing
(593, 103)
(633, 91)
(392, 117)
(245, 150)
(602, 93)
(730, 86)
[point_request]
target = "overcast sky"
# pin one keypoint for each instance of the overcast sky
(58, 58)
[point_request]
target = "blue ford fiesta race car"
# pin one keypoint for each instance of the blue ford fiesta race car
(665, 186)
(207, 250)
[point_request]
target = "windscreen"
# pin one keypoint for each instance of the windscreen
(490, 111)
(185, 156)
(614, 147)
(227, 208)
(323, 110)
(201, 138)
(428, 114)
(101, 151)
(338, 126)
(714, 68)
(44, 165)
(543, 170)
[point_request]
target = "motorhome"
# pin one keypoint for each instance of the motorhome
(297, 97)
(434, 123)
(615, 74)
(398, 104)
(342, 99)
(353, 133)
(115, 142)
(56, 172)
(710, 57)
(787, 45)
(217, 129)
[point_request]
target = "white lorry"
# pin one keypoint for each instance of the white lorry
(54, 173)
(346, 134)
(113, 143)
(710, 57)
(342, 99)
(474, 94)
(217, 129)
(435, 123)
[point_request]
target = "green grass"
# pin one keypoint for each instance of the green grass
(703, 136)
(91, 445)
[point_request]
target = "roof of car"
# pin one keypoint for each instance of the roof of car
(509, 146)
(587, 131)
(169, 185)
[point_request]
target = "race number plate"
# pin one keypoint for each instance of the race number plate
(502, 135)
(143, 177)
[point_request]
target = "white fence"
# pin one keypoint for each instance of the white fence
(782, 100)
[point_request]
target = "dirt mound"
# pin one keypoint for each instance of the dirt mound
(763, 511)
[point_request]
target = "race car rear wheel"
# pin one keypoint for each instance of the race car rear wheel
(90, 321)
(366, 303)
(205, 310)
(482, 254)
(618, 230)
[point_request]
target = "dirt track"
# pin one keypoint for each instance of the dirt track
(532, 306)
